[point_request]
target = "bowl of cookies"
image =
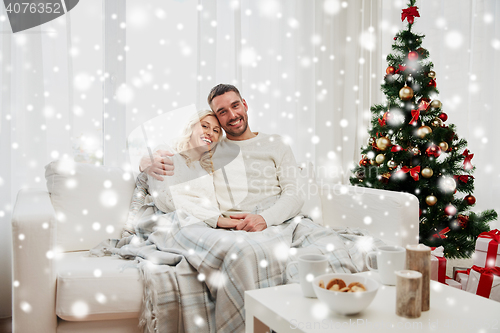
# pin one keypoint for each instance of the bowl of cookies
(345, 293)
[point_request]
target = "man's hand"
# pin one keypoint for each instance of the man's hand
(227, 223)
(250, 222)
(161, 165)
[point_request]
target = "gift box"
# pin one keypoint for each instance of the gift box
(462, 278)
(453, 283)
(484, 282)
(461, 275)
(487, 249)
(438, 264)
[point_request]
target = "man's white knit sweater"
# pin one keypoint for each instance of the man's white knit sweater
(260, 178)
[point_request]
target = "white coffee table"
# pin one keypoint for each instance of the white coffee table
(284, 309)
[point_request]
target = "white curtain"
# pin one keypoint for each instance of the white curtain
(301, 69)
(38, 120)
(309, 70)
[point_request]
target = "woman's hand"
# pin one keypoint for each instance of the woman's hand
(227, 223)
(161, 165)
(250, 222)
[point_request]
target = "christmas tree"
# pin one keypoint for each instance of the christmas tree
(411, 149)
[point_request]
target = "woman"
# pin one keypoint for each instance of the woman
(190, 190)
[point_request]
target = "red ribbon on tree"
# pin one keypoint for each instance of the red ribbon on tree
(409, 14)
(383, 120)
(413, 171)
(415, 114)
(486, 279)
(400, 69)
(464, 178)
(442, 233)
(491, 255)
(396, 148)
(468, 157)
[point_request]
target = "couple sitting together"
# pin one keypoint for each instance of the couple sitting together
(219, 216)
(244, 181)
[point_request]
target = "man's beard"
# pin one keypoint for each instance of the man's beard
(240, 132)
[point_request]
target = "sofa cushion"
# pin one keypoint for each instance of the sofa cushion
(91, 288)
(91, 202)
(100, 326)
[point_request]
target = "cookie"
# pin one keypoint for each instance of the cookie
(338, 282)
(321, 284)
(359, 286)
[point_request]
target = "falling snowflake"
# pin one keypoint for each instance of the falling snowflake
(101, 298)
(80, 309)
(454, 39)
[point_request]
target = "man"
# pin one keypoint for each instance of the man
(259, 189)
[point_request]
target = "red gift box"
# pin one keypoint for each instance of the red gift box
(485, 282)
(438, 264)
(487, 249)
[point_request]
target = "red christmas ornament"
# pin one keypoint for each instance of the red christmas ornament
(450, 210)
(395, 38)
(443, 116)
(470, 199)
(413, 55)
(432, 83)
(463, 220)
(390, 70)
(363, 162)
(433, 150)
(396, 148)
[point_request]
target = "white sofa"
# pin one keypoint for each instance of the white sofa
(58, 288)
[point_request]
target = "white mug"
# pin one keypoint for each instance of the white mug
(310, 266)
(389, 259)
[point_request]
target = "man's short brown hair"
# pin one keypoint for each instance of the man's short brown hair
(221, 89)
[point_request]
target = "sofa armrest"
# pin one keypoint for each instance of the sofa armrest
(34, 287)
(391, 216)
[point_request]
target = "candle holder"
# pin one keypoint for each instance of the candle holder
(408, 293)
(418, 258)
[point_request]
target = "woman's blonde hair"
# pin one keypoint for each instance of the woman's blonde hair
(182, 144)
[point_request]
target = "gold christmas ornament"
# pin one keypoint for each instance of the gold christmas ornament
(372, 162)
(436, 122)
(383, 143)
(414, 150)
(406, 93)
(436, 104)
(444, 146)
(391, 164)
(431, 200)
(380, 158)
(423, 131)
(371, 140)
(427, 172)
(432, 75)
